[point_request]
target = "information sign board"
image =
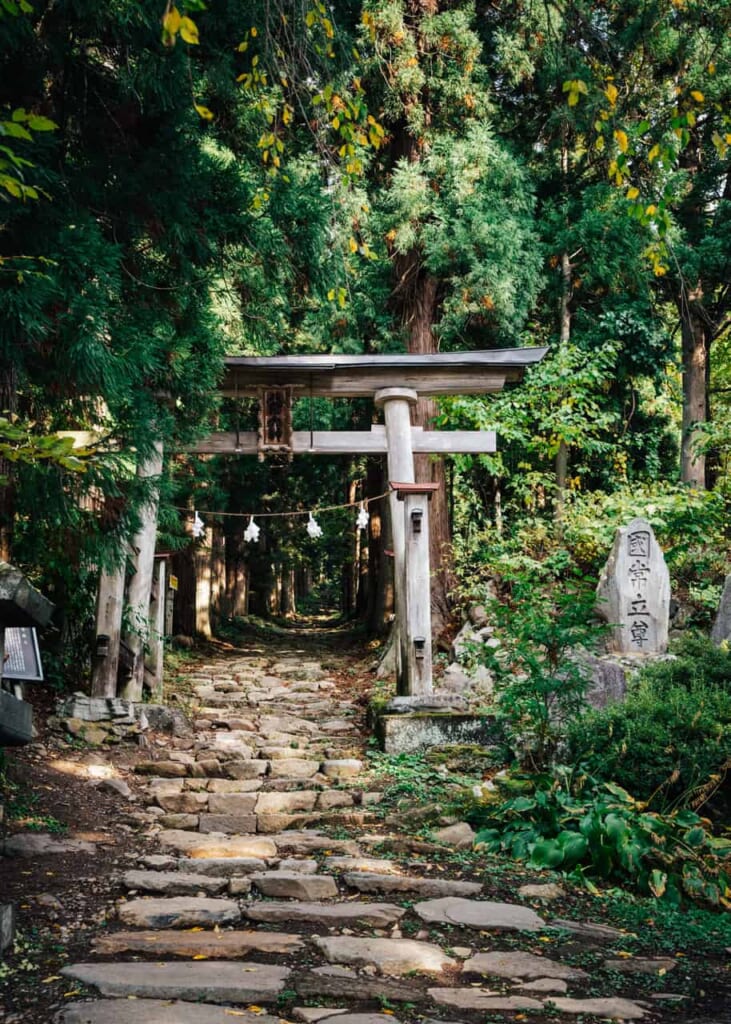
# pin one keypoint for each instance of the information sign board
(22, 656)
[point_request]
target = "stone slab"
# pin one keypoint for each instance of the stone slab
(346, 984)
(218, 945)
(222, 867)
(374, 915)
(369, 881)
(231, 824)
(481, 914)
(154, 1011)
(173, 883)
(515, 964)
(240, 982)
(404, 734)
(479, 999)
(380, 865)
(217, 846)
(295, 885)
(179, 912)
(389, 956)
(612, 1007)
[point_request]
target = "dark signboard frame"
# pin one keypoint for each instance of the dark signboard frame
(22, 655)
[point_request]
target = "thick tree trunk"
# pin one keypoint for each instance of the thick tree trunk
(288, 604)
(695, 343)
(218, 577)
(184, 605)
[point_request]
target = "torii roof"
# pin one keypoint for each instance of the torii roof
(345, 376)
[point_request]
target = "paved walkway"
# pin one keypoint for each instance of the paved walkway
(264, 896)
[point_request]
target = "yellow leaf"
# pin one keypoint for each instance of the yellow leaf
(654, 152)
(611, 93)
(73, 992)
(599, 144)
(171, 21)
(624, 954)
(573, 99)
(352, 245)
(200, 956)
(697, 95)
(711, 68)
(331, 294)
(255, 1009)
(622, 140)
(633, 193)
(203, 112)
(650, 210)
(50, 978)
(189, 31)
(254, 31)
(196, 929)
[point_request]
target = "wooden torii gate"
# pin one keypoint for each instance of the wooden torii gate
(394, 382)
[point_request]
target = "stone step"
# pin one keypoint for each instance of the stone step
(368, 881)
(241, 982)
(388, 956)
(346, 984)
(156, 1011)
(222, 867)
(173, 883)
(360, 864)
(367, 915)
(310, 841)
(481, 914)
(179, 912)
(217, 846)
(293, 885)
(217, 945)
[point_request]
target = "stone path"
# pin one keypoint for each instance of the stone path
(263, 891)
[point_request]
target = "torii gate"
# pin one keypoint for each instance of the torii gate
(394, 382)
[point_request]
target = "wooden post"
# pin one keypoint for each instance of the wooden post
(396, 404)
(140, 586)
(109, 604)
(156, 647)
(202, 563)
(418, 593)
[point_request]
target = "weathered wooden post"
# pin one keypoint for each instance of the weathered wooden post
(109, 606)
(417, 591)
(396, 404)
(140, 586)
(156, 645)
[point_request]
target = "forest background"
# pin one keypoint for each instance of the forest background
(181, 183)
(381, 177)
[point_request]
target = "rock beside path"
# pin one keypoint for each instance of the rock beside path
(374, 915)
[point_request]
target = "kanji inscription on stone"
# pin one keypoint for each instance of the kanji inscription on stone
(633, 595)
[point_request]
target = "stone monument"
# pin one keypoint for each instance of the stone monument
(722, 626)
(633, 594)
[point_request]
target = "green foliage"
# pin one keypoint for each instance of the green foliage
(598, 831)
(669, 742)
(544, 617)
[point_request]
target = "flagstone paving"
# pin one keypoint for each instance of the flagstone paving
(257, 884)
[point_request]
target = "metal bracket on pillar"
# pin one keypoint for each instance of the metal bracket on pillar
(416, 497)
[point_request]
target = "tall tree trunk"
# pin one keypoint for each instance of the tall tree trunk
(695, 341)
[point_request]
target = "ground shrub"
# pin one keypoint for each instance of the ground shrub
(670, 741)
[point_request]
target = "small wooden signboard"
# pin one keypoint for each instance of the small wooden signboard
(22, 656)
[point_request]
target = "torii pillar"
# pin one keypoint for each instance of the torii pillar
(410, 526)
(396, 404)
